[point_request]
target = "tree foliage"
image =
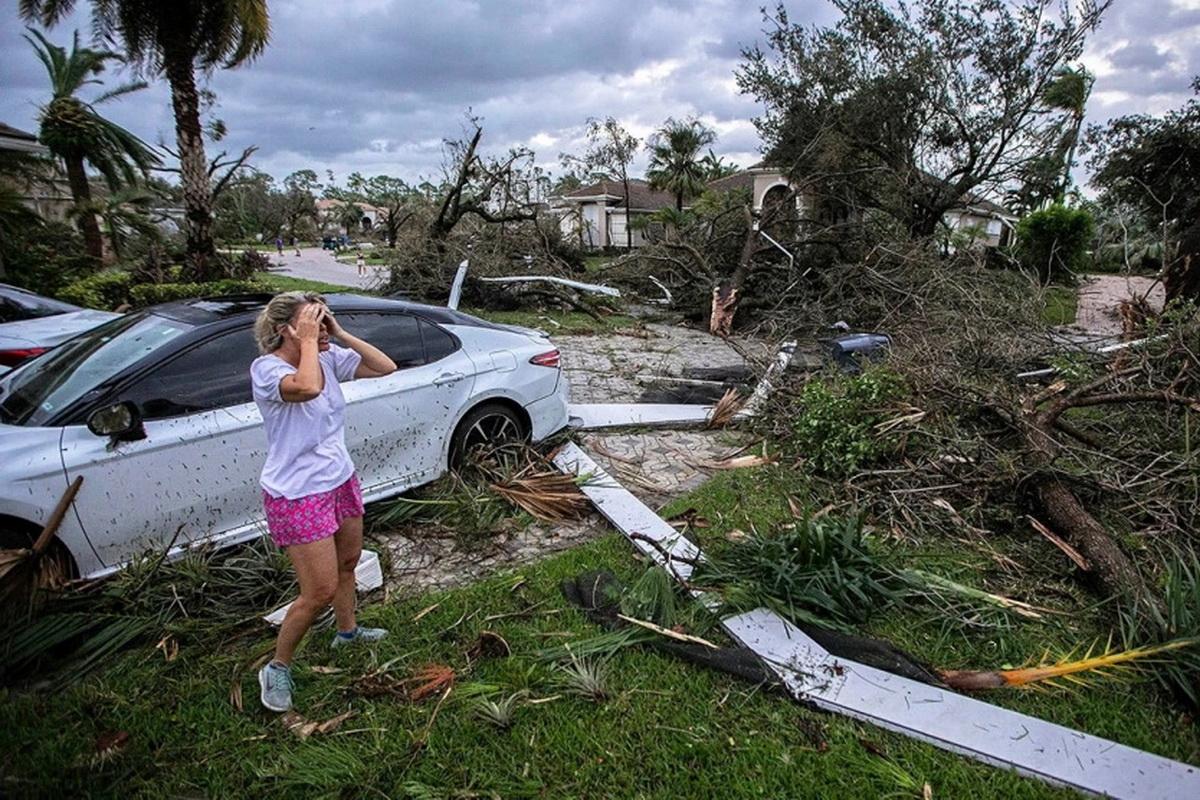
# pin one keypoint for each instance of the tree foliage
(611, 149)
(910, 108)
(1053, 242)
(77, 134)
(1152, 164)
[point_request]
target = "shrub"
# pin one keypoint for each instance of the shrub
(104, 290)
(834, 426)
(45, 258)
(1054, 242)
(148, 294)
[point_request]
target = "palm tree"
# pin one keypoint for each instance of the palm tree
(350, 216)
(125, 212)
(73, 130)
(1069, 92)
(675, 162)
(173, 39)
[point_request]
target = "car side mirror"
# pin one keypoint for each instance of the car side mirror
(121, 421)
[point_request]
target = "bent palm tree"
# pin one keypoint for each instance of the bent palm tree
(675, 162)
(73, 130)
(1069, 92)
(173, 40)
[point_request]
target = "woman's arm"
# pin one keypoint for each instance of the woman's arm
(375, 363)
(307, 381)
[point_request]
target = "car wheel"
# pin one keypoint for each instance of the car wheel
(16, 534)
(487, 425)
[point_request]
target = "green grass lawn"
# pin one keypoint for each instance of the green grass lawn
(1061, 304)
(286, 283)
(558, 322)
(669, 729)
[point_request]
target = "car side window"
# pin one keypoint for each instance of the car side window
(438, 343)
(395, 334)
(213, 374)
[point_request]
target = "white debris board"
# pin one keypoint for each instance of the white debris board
(954, 722)
(592, 416)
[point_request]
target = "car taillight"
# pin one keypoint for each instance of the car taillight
(10, 358)
(548, 359)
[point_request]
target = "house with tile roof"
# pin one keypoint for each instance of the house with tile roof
(595, 215)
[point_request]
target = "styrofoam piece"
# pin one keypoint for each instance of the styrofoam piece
(583, 287)
(368, 575)
(592, 416)
(954, 722)
(960, 724)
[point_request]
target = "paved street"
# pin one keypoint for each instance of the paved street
(316, 264)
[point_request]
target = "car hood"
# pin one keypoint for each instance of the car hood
(51, 331)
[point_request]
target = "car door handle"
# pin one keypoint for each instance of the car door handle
(447, 377)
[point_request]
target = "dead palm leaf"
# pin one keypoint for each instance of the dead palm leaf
(1109, 663)
(725, 410)
(27, 572)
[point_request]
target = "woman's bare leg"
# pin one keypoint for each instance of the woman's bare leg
(348, 540)
(316, 565)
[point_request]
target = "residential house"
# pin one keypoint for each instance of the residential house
(596, 216)
(329, 214)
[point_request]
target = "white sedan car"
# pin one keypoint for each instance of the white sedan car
(154, 410)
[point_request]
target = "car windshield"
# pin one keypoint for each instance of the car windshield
(32, 394)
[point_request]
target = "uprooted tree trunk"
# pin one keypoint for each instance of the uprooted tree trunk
(1041, 416)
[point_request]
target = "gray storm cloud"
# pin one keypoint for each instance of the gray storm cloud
(375, 85)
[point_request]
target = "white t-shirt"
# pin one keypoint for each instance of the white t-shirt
(306, 442)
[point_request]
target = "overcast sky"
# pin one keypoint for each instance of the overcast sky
(376, 85)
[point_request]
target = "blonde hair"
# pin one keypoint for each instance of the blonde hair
(278, 313)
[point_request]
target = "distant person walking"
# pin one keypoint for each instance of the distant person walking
(361, 262)
(279, 244)
(310, 491)
(296, 245)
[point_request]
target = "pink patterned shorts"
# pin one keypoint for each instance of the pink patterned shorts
(314, 517)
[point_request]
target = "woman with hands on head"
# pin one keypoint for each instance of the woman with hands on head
(312, 498)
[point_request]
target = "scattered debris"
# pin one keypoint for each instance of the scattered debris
(726, 409)
(783, 358)
(500, 713)
(489, 644)
(430, 680)
(27, 572)
(456, 288)
(583, 287)
(594, 416)
(108, 746)
(585, 677)
(1031, 746)
(295, 722)
(1066, 668)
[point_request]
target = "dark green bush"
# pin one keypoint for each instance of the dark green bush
(45, 258)
(104, 290)
(1054, 242)
(113, 288)
(148, 294)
